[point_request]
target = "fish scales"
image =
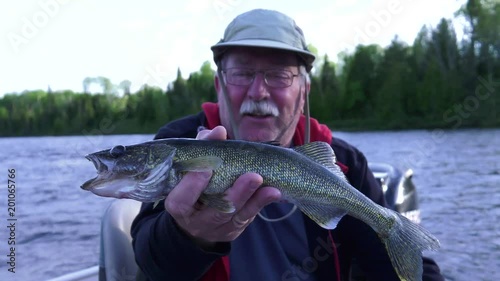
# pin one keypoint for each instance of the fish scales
(295, 175)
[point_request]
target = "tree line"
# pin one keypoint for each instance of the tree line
(438, 81)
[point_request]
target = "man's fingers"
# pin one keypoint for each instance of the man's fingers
(259, 200)
(183, 198)
(217, 133)
(239, 222)
(243, 188)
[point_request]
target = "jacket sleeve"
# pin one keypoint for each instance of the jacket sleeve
(162, 250)
(357, 238)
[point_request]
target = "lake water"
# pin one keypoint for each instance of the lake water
(457, 174)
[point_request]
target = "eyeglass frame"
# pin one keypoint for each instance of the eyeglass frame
(264, 72)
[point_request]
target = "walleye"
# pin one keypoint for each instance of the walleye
(306, 176)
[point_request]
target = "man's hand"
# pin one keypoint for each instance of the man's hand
(206, 225)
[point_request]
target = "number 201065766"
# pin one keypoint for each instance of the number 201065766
(11, 188)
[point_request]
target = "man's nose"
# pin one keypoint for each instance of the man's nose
(258, 88)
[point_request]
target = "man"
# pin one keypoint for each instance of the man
(262, 86)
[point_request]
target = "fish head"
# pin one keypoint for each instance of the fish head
(135, 171)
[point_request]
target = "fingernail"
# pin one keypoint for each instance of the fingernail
(254, 184)
(204, 175)
(275, 196)
(202, 135)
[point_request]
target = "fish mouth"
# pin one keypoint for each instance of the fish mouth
(88, 184)
(140, 185)
(99, 165)
(101, 168)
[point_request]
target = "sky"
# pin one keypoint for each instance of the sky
(58, 43)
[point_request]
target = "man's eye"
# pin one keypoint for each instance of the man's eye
(277, 75)
(242, 74)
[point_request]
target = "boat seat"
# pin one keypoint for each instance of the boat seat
(116, 258)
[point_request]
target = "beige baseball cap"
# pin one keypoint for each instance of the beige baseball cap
(264, 29)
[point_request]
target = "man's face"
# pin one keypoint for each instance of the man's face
(262, 113)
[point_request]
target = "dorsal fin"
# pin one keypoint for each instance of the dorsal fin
(323, 154)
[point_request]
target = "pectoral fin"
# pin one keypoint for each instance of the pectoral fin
(199, 164)
(218, 202)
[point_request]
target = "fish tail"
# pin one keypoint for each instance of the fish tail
(405, 243)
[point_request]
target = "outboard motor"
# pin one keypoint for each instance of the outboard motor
(399, 191)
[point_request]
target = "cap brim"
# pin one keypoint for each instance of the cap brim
(219, 48)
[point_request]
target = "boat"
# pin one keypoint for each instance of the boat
(116, 261)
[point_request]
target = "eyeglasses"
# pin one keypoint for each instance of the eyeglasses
(274, 78)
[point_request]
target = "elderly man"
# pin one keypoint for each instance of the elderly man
(262, 85)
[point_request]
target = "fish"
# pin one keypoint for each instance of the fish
(306, 175)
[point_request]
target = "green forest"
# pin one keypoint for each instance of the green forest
(439, 81)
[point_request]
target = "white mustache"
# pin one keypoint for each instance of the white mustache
(263, 107)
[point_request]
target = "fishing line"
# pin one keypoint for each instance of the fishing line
(278, 219)
(307, 139)
(291, 121)
(307, 112)
(232, 121)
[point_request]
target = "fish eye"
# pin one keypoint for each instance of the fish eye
(117, 150)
